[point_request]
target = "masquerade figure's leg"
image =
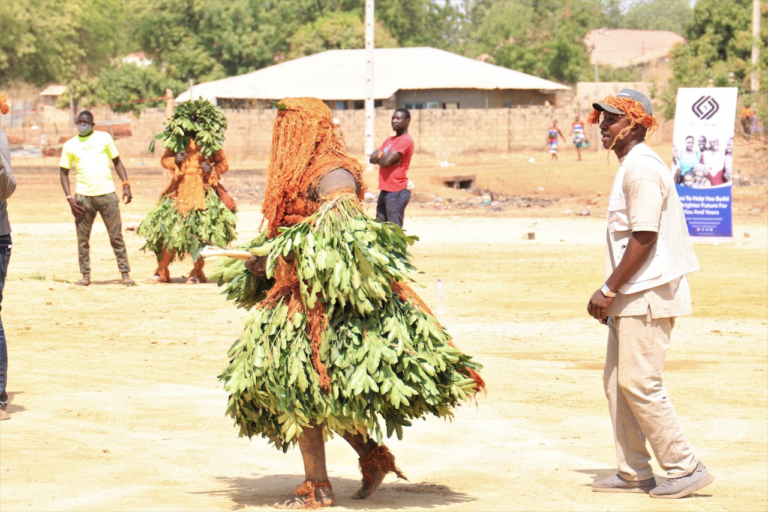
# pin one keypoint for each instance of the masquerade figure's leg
(197, 275)
(375, 462)
(162, 274)
(316, 490)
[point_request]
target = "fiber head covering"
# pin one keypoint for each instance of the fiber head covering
(305, 147)
(633, 105)
(4, 108)
(626, 93)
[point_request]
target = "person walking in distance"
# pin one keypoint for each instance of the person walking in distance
(648, 257)
(394, 160)
(90, 153)
(579, 137)
(7, 187)
(552, 134)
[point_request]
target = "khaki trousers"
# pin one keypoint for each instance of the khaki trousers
(108, 206)
(639, 405)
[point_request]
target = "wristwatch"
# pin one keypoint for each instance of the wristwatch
(607, 292)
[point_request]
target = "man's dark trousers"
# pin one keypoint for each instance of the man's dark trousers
(5, 257)
(391, 206)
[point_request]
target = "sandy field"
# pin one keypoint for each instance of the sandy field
(115, 402)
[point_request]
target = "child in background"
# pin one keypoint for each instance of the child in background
(554, 131)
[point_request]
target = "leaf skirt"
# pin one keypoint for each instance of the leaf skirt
(166, 228)
(388, 360)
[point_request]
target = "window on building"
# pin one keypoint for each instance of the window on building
(414, 106)
(451, 105)
(340, 105)
(359, 104)
(378, 103)
(434, 105)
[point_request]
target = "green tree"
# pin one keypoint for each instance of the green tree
(719, 42)
(131, 83)
(629, 74)
(121, 88)
(673, 15)
(336, 31)
(39, 41)
(543, 38)
(420, 22)
(102, 33)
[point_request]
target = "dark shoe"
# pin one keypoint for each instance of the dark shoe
(618, 484)
(126, 280)
(85, 281)
(674, 488)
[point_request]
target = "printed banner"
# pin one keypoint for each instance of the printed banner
(702, 159)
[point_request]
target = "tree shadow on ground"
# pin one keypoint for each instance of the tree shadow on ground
(265, 491)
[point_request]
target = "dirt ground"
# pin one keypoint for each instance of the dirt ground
(115, 403)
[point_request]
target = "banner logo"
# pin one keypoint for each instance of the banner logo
(705, 107)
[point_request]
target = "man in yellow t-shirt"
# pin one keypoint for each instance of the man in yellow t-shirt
(90, 152)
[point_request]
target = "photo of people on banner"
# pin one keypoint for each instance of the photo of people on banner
(703, 162)
(702, 159)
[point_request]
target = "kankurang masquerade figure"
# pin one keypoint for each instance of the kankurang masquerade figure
(336, 341)
(194, 204)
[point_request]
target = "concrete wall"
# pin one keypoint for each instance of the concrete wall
(441, 133)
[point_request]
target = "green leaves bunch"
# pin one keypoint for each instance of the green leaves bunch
(199, 118)
(394, 365)
(346, 256)
(165, 228)
(240, 286)
(388, 361)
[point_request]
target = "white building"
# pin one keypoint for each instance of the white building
(415, 78)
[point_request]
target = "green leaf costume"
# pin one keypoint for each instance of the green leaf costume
(194, 202)
(387, 359)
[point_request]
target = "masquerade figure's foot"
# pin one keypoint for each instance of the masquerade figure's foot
(193, 280)
(310, 495)
(375, 465)
(368, 488)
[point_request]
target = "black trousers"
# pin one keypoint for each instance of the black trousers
(391, 206)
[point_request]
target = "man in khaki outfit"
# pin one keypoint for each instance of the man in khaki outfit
(648, 256)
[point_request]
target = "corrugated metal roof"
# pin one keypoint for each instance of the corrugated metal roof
(340, 75)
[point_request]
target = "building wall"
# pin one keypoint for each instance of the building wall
(474, 98)
(441, 133)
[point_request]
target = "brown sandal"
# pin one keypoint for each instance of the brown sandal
(308, 489)
(306, 497)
